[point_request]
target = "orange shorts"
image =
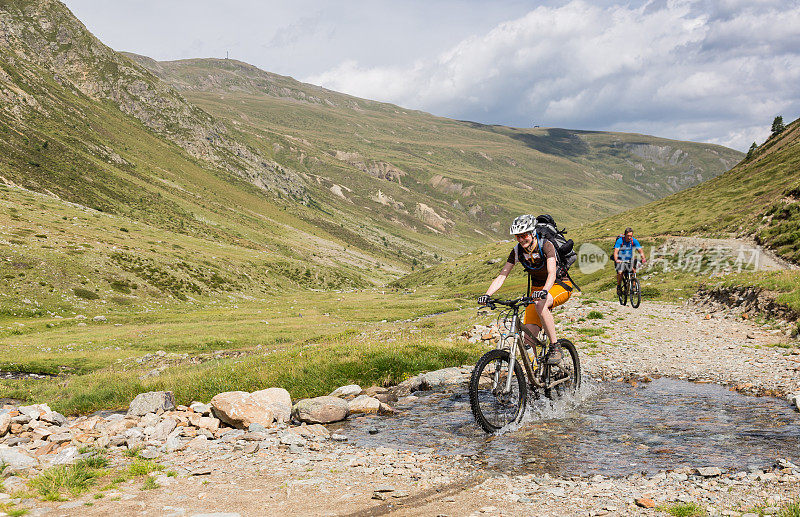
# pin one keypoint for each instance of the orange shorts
(560, 292)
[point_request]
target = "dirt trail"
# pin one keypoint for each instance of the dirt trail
(767, 259)
(329, 478)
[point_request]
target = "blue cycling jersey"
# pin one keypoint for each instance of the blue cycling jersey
(626, 248)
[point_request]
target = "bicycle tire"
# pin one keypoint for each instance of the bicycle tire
(483, 400)
(623, 296)
(571, 366)
(636, 293)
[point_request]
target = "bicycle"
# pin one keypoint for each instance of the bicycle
(630, 288)
(498, 387)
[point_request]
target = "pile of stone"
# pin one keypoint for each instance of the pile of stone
(35, 437)
(478, 333)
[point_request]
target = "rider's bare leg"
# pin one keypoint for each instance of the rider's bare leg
(619, 277)
(546, 317)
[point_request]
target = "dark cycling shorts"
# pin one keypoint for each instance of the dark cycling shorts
(627, 265)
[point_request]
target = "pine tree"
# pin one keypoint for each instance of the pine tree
(752, 151)
(777, 125)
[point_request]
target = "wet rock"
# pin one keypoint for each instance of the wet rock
(380, 393)
(276, 400)
(321, 410)
(386, 409)
(364, 404)
(239, 409)
(349, 391)
(152, 402)
(407, 386)
(439, 378)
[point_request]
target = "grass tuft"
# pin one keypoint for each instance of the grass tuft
(141, 467)
(53, 483)
(149, 483)
(790, 510)
(683, 510)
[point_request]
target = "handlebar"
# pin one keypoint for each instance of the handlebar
(517, 302)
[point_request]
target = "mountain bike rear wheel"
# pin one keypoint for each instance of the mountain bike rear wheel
(636, 293)
(492, 408)
(568, 371)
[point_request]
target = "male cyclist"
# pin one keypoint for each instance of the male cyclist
(538, 257)
(623, 255)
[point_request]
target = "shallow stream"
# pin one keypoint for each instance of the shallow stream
(615, 429)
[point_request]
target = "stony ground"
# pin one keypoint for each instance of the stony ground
(315, 475)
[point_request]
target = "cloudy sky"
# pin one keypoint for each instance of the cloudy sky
(706, 70)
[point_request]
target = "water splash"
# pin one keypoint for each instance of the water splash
(608, 428)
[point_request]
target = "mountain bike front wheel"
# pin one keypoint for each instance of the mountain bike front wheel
(492, 407)
(636, 293)
(622, 290)
(565, 378)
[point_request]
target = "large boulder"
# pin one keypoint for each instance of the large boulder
(163, 429)
(54, 417)
(349, 391)
(321, 410)
(240, 409)
(16, 459)
(439, 378)
(276, 400)
(65, 456)
(152, 402)
(34, 411)
(5, 423)
(364, 404)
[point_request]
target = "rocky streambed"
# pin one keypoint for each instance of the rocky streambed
(256, 459)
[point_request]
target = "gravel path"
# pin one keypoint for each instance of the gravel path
(682, 342)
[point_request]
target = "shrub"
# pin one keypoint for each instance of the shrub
(85, 293)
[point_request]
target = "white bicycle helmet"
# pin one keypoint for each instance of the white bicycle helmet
(522, 224)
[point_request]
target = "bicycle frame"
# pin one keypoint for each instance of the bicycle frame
(517, 331)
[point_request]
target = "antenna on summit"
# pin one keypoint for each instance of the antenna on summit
(226, 54)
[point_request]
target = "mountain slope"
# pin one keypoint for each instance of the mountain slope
(469, 174)
(45, 36)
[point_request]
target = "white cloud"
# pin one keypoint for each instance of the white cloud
(693, 69)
